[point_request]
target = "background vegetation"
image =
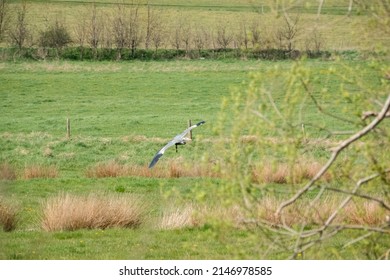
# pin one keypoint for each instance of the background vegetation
(163, 30)
(270, 128)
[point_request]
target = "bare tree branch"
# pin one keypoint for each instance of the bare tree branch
(320, 8)
(350, 7)
(319, 107)
(261, 116)
(355, 193)
(383, 229)
(349, 197)
(335, 152)
(276, 109)
(324, 232)
(368, 114)
(355, 240)
(333, 230)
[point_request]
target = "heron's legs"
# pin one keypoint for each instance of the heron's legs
(180, 143)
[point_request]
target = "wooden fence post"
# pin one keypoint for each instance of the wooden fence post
(190, 133)
(68, 128)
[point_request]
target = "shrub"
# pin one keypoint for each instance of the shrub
(357, 213)
(71, 212)
(178, 218)
(282, 173)
(102, 170)
(366, 213)
(56, 36)
(7, 172)
(191, 216)
(8, 216)
(40, 171)
(170, 169)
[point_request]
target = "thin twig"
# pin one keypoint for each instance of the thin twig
(349, 197)
(336, 151)
(272, 101)
(353, 241)
(365, 228)
(336, 229)
(350, 7)
(319, 107)
(385, 255)
(261, 116)
(371, 198)
(320, 8)
(308, 244)
(368, 114)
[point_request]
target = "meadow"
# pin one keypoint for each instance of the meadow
(90, 195)
(121, 114)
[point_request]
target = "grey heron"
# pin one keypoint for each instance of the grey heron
(179, 139)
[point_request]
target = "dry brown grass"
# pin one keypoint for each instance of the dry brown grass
(47, 152)
(170, 169)
(102, 170)
(357, 213)
(71, 212)
(40, 171)
(282, 173)
(7, 172)
(190, 216)
(8, 216)
(279, 173)
(114, 169)
(179, 218)
(366, 213)
(249, 139)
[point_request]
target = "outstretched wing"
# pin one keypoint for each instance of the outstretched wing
(185, 132)
(176, 139)
(160, 153)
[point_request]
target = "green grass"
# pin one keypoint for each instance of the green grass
(205, 243)
(110, 106)
(123, 112)
(116, 99)
(111, 99)
(125, 244)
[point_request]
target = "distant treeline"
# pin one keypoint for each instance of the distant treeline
(141, 32)
(105, 54)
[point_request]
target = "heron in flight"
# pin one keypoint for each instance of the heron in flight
(179, 139)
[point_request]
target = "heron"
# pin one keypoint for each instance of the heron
(179, 139)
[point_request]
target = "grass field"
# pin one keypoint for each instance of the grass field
(91, 196)
(120, 113)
